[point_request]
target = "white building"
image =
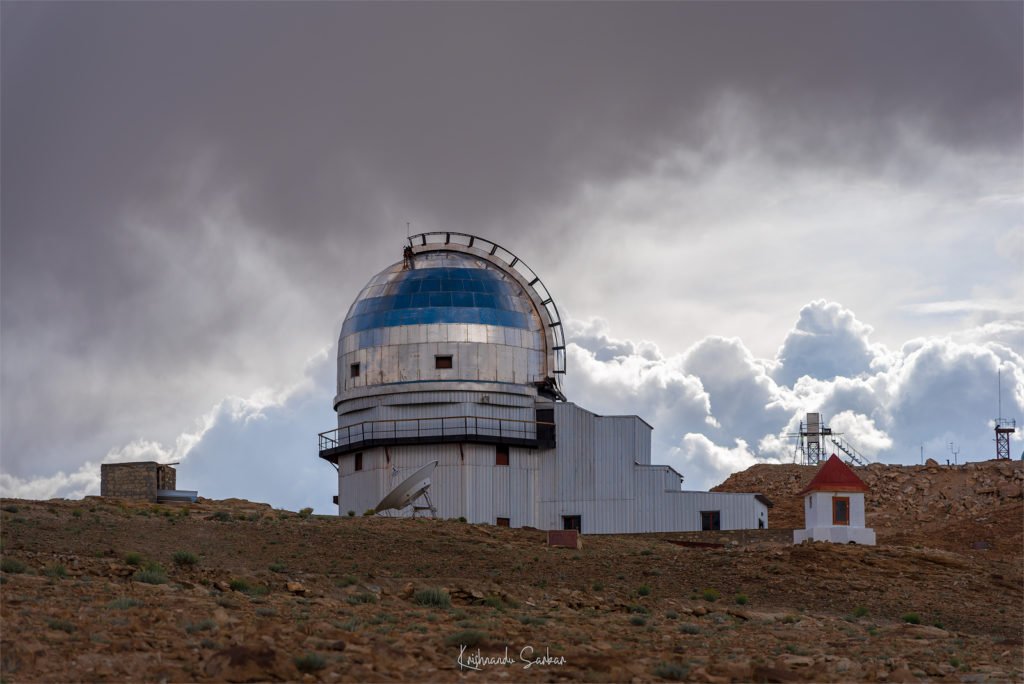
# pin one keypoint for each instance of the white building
(455, 354)
(834, 507)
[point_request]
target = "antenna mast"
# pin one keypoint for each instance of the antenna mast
(1004, 426)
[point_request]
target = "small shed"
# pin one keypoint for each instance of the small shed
(834, 507)
(146, 480)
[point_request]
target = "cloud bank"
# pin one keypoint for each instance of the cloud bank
(715, 409)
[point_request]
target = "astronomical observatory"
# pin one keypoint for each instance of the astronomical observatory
(450, 367)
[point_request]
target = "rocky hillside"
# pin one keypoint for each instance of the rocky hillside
(108, 590)
(949, 507)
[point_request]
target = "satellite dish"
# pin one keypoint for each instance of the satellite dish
(408, 490)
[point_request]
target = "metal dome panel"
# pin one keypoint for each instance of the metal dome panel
(440, 294)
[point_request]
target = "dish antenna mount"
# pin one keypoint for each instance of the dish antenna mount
(408, 491)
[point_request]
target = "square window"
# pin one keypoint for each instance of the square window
(359, 461)
(504, 522)
(572, 522)
(443, 361)
(710, 520)
(501, 455)
(353, 370)
(840, 510)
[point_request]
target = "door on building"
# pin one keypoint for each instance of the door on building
(710, 520)
(572, 522)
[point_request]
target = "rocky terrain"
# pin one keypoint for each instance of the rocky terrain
(946, 507)
(110, 590)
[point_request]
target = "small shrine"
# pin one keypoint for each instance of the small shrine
(834, 507)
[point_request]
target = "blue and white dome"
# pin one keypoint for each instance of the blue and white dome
(445, 318)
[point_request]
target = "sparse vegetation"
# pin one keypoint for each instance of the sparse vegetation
(689, 628)
(435, 597)
(672, 615)
(710, 595)
(56, 571)
(239, 585)
(222, 516)
(12, 565)
(185, 558)
(305, 512)
(10, 508)
(346, 581)
(309, 663)
(462, 518)
(133, 558)
(643, 591)
(912, 618)
(276, 567)
(671, 671)
(741, 599)
(123, 603)
(62, 625)
(363, 597)
(368, 512)
(467, 637)
(351, 514)
(860, 611)
(153, 573)
(203, 626)
(597, 586)
(531, 620)
(638, 620)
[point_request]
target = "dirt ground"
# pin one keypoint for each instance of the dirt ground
(247, 593)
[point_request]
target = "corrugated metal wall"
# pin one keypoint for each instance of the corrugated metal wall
(600, 470)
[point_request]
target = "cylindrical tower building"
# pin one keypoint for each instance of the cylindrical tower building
(455, 354)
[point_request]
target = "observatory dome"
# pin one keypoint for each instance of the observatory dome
(444, 315)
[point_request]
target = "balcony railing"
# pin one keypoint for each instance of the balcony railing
(528, 433)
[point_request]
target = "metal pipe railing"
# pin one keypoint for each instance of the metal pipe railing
(426, 428)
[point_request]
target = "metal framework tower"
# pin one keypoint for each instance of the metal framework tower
(1004, 428)
(811, 437)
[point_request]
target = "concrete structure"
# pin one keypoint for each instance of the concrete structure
(146, 480)
(834, 507)
(138, 480)
(456, 354)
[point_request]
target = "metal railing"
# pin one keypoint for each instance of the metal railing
(425, 430)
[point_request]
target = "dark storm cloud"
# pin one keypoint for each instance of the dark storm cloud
(190, 188)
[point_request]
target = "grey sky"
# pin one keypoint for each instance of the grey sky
(192, 193)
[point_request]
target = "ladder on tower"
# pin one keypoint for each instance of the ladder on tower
(852, 454)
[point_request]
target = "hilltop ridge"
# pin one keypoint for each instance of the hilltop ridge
(115, 590)
(945, 507)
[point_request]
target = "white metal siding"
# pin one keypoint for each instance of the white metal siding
(599, 470)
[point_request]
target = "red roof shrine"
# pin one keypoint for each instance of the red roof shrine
(835, 476)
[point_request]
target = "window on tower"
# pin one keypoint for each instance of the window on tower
(443, 361)
(353, 370)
